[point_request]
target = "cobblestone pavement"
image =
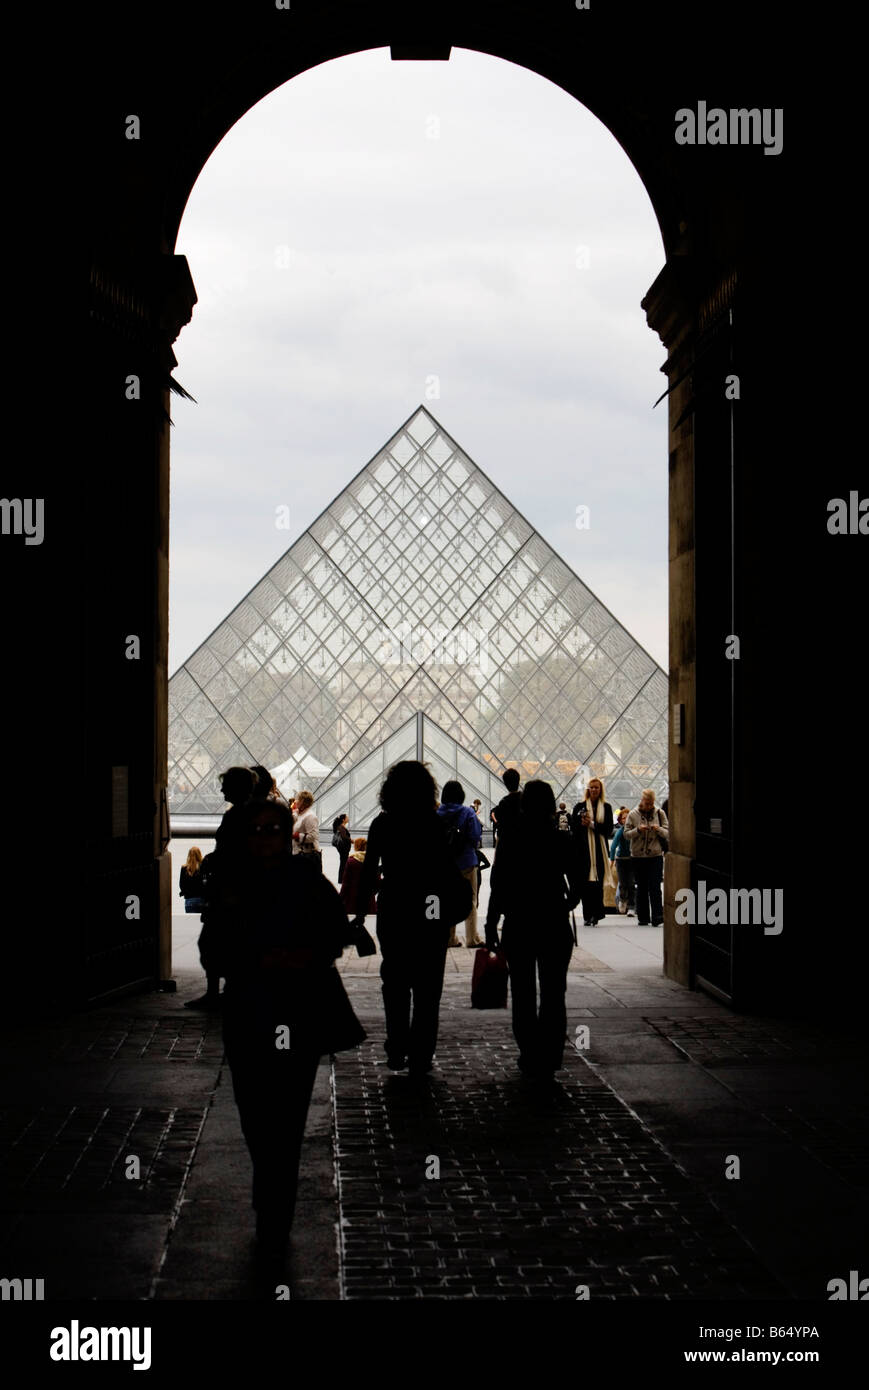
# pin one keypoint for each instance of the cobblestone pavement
(82, 1097)
(471, 1185)
(537, 1191)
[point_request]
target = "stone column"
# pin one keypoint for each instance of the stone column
(668, 314)
(137, 310)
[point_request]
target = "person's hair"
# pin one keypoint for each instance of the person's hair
(237, 784)
(562, 806)
(361, 843)
(410, 788)
(538, 801)
(279, 813)
(194, 859)
(600, 784)
(511, 779)
(453, 792)
(304, 800)
(622, 813)
(264, 781)
(647, 791)
(339, 820)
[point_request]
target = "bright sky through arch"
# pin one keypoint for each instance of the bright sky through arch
(376, 235)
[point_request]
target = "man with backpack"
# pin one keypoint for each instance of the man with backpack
(464, 835)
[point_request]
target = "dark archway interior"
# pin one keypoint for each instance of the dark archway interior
(719, 304)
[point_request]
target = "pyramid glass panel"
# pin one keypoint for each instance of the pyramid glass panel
(420, 591)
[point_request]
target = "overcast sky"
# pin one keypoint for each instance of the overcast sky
(372, 225)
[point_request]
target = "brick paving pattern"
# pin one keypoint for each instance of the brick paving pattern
(55, 1156)
(840, 1144)
(539, 1191)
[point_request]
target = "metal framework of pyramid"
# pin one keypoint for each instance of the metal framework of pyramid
(420, 615)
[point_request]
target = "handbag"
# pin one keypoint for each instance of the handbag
(363, 941)
(489, 980)
(609, 884)
(324, 1017)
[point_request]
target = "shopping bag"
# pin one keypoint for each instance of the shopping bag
(610, 885)
(489, 980)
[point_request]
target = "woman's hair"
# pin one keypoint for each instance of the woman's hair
(410, 788)
(622, 815)
(600, 784)
(304, 800)
(237, 784)
(453, 792)
(194, 860)
(264, 780)
(538, 801)
(361, 843)
(339, 820)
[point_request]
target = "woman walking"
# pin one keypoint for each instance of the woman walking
(421, 898)
(592, 824)
(342, 842)
(535, 890)
(284, 1005)
(620, 861)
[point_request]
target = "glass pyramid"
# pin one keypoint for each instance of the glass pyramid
(419, 590)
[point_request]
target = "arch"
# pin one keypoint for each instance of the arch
(724, 215)
(632, 127)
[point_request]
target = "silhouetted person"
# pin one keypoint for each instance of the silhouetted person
(284, 1003)
(463, 832)
(342, 842)
(421, 897)
(505, 814)
(236, 786)
(266, 787)
(190, 881)
(349, 893)
(505, 819)
(535, 891)
(592, 823)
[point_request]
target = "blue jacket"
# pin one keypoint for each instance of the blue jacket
(619, 847)
(469, 832)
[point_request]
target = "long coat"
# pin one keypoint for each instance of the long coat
(603, 833)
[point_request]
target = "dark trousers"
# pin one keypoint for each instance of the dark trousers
(539, 1032)
(592, 901)
(272, 1090)
(648, 874)
(412, 971)
(627, 885)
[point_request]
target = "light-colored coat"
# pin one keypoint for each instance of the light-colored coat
(647, 832)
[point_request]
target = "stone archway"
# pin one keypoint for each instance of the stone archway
(721, 220)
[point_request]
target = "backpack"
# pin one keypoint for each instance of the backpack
(454, 891)
(456, 836)
(564, 820)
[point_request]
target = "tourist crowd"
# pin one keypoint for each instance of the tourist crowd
(273, 927)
